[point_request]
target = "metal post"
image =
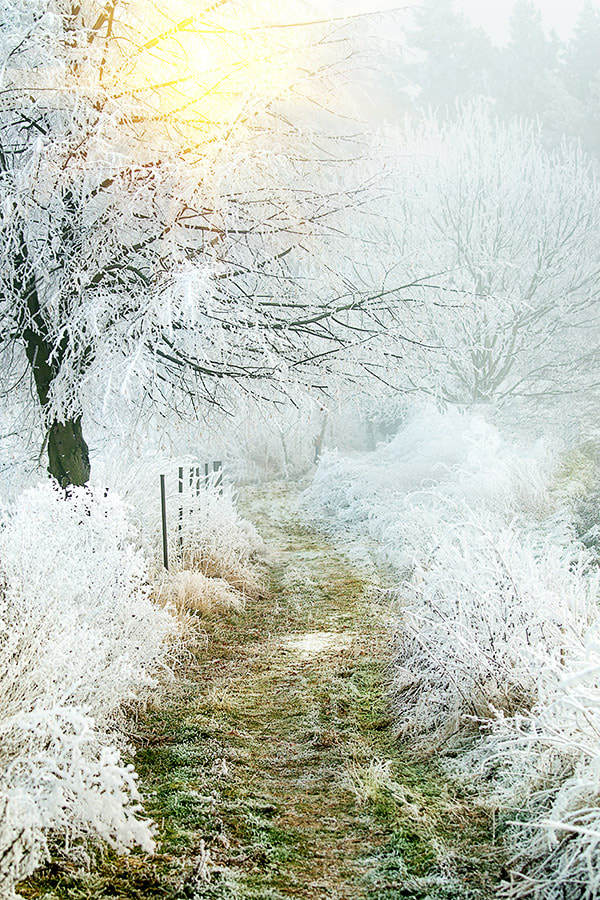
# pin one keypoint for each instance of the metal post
(180, 523)
(163, 509)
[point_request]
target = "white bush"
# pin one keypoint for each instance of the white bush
(500, 629)
(458, 510)
(489, 611)
(546, 770)
(203, 517)
(79, 638)
(439, 469)
(59, 775)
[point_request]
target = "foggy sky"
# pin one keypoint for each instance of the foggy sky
(493, 15)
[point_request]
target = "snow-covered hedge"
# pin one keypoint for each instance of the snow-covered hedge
(79, 638)
(468, 519)
(497, 626)
(441, 468)
(548, 768)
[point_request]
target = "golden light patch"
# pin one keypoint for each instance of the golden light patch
(212, 63)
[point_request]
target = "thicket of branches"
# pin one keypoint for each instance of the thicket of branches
(512, 231)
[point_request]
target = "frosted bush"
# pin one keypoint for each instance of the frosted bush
(440, 468)
(58, 775)
(215, 538)
(488, 613)
(71, 569)
(500, 630)
(492, 578)
(458, 509)
(79, 637)
(545, 767)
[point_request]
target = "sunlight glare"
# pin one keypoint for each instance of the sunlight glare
(211, 64)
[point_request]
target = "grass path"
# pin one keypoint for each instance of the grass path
(272, 769)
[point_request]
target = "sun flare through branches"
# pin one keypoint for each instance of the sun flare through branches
(217, 64)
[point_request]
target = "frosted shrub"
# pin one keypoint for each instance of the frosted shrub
(58, 775)
(493, 580)
(546, 764)
(71, 569)
(218, 542)
(489, 611)
(79, 638)
(501, 630)
(208, 538)
(438, 469)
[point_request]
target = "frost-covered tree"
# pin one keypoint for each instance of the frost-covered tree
(514, 231)
(583, 52)
(448, 59)
(583, 76)
(451, 62)
(529, 58)
(166, 204)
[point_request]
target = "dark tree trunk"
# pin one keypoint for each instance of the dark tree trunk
(68, 457)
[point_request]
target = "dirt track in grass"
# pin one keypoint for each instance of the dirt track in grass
(272, 768)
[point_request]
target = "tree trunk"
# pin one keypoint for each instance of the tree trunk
(68, 458)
